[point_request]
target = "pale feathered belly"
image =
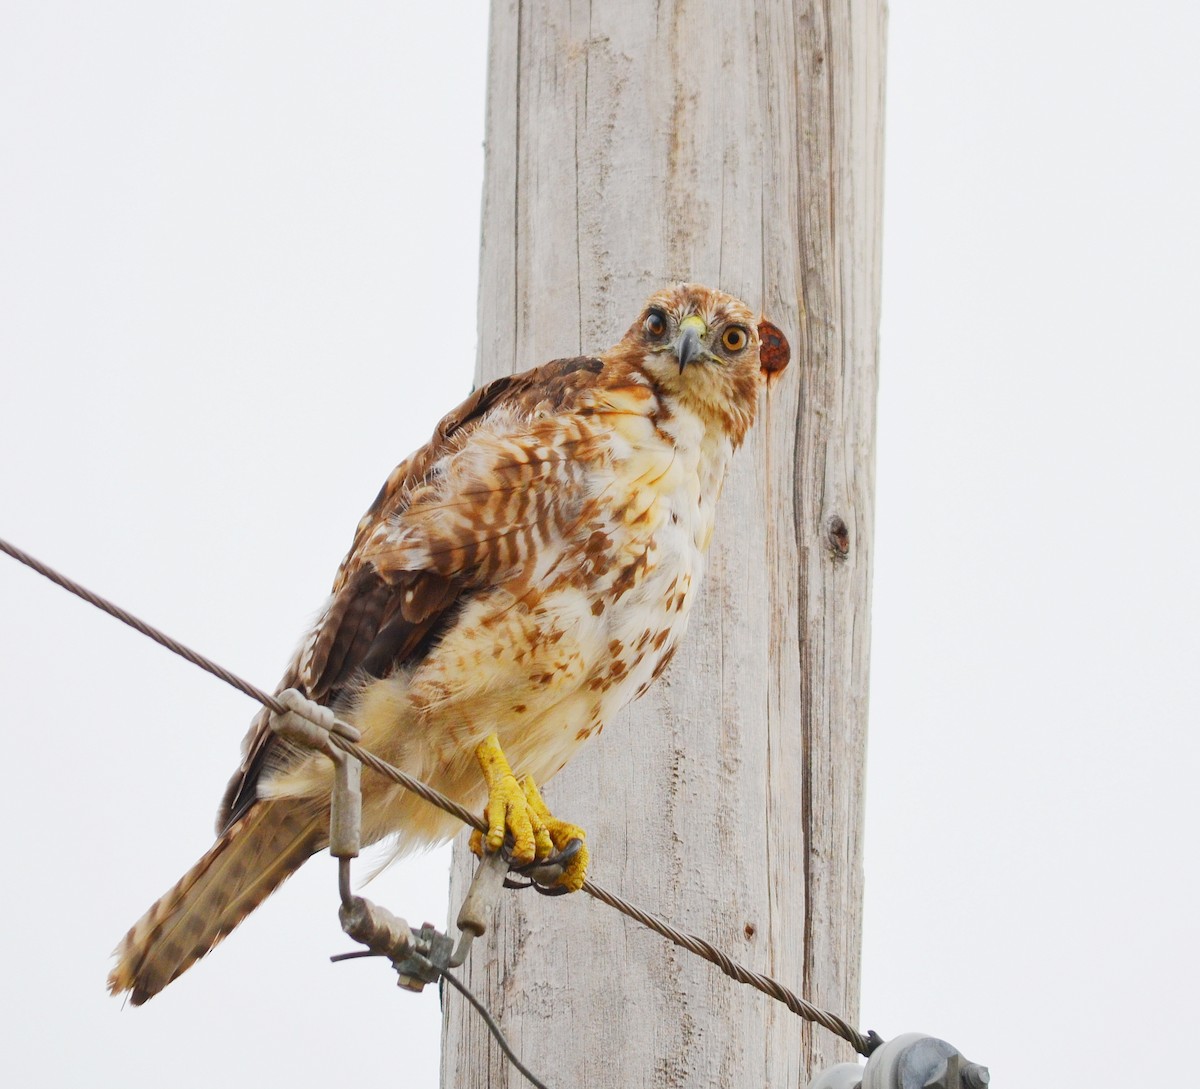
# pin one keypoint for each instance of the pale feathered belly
(545, 679)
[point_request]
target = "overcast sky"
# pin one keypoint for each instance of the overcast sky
(211, 216)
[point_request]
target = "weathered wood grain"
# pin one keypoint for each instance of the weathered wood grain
(739, 144)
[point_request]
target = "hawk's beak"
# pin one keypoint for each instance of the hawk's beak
(688, 345)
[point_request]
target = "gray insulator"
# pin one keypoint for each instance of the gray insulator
(915, 1061)
(376, 928)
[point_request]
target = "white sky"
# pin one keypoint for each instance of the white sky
(223, 231)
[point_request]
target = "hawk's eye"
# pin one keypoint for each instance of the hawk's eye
(655, 324)
(734, 338)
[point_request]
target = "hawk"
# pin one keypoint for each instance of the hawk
(516, 582)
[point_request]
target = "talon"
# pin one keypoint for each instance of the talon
(561, 858)
(569, 839)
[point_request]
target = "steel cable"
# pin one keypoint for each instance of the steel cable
(863, 1044)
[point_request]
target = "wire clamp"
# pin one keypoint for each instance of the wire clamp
(310, 725)
(432, 953)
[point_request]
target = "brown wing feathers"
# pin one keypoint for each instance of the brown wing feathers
(376, 623)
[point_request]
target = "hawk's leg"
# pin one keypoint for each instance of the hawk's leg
(516, 808)
(507, 809)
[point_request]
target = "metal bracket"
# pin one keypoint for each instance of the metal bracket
(477, 906)
(418, 955)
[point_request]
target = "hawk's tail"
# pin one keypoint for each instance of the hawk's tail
(249, 861)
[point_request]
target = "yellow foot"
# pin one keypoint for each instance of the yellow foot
(517, 809)
(561, 834)
(507, 810)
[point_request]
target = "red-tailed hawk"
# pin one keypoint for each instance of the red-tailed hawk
(517, 581)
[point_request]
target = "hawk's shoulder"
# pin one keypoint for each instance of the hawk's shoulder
(551, 388)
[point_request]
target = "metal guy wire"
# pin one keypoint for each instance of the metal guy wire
(863, 1044)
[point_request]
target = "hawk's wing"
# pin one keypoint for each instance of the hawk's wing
(385, 610)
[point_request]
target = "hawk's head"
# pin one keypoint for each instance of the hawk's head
(707, 350)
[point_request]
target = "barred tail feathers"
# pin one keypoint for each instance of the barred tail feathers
(248, 862)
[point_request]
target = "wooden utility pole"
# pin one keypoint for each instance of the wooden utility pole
(739, 144)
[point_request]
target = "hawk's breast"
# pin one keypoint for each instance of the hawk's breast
(620, 600)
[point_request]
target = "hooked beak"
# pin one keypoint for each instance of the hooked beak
(688, 345)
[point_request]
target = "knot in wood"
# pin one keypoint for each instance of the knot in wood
(838, 535)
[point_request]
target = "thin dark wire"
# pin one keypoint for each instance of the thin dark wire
(864, 1045)
(493, 1028)
(253, 691)
(159, 637)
